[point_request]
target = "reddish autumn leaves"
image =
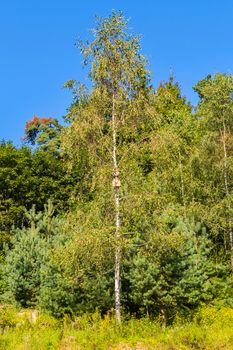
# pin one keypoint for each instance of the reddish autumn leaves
(34, 123)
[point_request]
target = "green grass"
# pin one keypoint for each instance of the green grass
(210, 329)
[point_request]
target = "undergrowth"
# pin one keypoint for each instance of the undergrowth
(210, 328)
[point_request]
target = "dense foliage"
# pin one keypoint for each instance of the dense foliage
(172, 193)
(29, 178)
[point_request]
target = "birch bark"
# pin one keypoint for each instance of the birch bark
(225, 174)
(116, 187)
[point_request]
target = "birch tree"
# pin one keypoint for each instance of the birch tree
(119, 77)
(216, 111)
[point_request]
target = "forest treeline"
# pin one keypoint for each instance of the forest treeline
(127, 204)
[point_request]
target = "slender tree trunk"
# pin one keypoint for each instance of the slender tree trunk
(225, 174)
(116, 187)
(163, 316)
(181, 179)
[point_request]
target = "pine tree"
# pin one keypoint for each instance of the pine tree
(29, 254)
(173, 273)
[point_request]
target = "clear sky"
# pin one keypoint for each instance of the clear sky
(37, 52)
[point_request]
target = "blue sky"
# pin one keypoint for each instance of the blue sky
(37, 52)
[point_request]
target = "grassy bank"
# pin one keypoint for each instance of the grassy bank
(209, 329)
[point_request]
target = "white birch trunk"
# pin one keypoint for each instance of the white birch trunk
(227, 190)
(181, 179)
(116, 186)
